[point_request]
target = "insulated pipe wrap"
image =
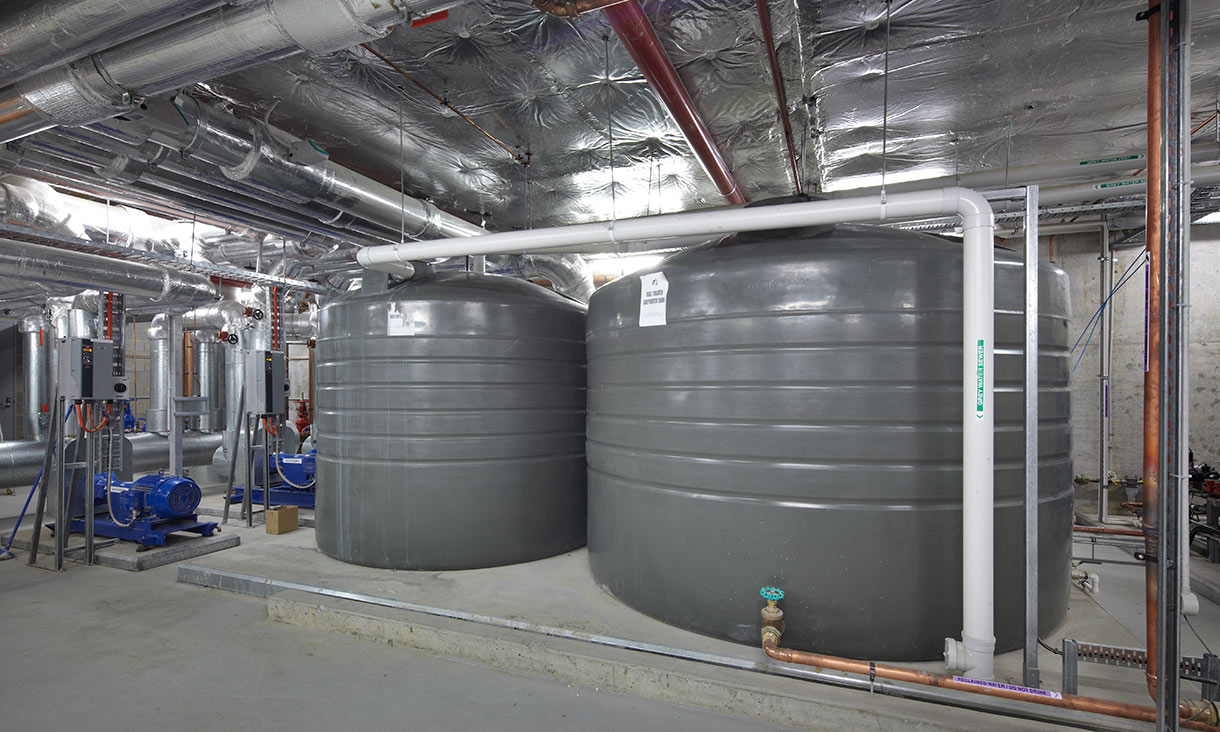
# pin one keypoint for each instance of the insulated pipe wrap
(74, 95)
(204, 47)
(78, 269)
(37, 35)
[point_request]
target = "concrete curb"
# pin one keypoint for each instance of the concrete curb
(781, 701)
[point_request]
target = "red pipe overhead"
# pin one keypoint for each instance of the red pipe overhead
(636, 33)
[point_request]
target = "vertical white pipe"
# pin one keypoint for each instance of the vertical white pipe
(978, 439)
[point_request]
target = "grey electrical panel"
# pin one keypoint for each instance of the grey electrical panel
(266, 383)
(86, 369)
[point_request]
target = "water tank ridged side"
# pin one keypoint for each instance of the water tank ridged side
(797, 422)
(450, 424)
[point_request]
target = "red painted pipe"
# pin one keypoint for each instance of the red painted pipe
(636, 33)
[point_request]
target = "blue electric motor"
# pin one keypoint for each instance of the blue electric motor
(299, 470)
(153, 496)
(146, 510)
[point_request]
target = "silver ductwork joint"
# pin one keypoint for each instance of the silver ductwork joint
(226, 315)
(301, 326)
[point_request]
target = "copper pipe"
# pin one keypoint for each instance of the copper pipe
(781, 97)
(1152, 376)
(1106, 530)
(927, 678)
(523, 159)
(640, 39)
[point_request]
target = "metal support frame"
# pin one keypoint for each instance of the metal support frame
(1106, 280)
(1173, 471)
(1030, 660)
(257, 452)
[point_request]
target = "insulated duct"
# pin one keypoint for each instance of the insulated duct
(36, 364)
(261, 157)
(301, 326)
(33, 204)
(210, 370)
(569, 274)
(157, 414)
(204, 47)
(20, 460)
(165, 286)
(226, 315)
(38, 34)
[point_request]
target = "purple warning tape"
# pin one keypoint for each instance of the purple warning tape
(1008, 687)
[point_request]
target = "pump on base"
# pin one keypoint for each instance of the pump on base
(146, 510)
(293, 479)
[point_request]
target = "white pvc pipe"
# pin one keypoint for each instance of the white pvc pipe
(974, 653)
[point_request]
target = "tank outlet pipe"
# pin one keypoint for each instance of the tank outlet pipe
(975, 651)
(1194, 714)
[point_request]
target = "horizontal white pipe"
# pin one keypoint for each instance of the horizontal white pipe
(976, 649)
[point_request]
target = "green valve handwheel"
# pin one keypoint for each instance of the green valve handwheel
(771, 593)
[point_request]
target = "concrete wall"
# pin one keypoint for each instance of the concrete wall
(1077, 255)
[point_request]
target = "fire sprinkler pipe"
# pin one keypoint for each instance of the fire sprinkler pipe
(976, 649)
(637, 35)
(1194, 715)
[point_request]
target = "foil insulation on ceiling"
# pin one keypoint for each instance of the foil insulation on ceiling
(971, 86)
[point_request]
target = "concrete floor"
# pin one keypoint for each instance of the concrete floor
(131, 651)
(138, 649)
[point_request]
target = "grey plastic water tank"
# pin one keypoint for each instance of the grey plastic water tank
(450, 424)
(797, 422)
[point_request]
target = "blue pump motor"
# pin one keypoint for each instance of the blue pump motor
(298, 469)
(153, 496)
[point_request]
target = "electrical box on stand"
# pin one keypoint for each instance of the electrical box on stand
(86, 369)
(266, 383)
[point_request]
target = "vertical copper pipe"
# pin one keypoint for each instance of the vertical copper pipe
(1152, 384)
(637, 34)
(781, 98)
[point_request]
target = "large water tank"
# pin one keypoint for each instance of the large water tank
(450, 424)
(792, 417)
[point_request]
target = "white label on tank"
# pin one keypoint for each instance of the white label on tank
(400, 321)
(292, 461)
(654, 288)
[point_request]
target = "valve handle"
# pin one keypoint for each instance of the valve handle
(771, 593)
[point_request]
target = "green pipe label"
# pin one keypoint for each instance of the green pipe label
(1117, 159)
(1118, 183)
(978, 381)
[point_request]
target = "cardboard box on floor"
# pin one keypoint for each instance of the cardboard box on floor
(281, 519)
